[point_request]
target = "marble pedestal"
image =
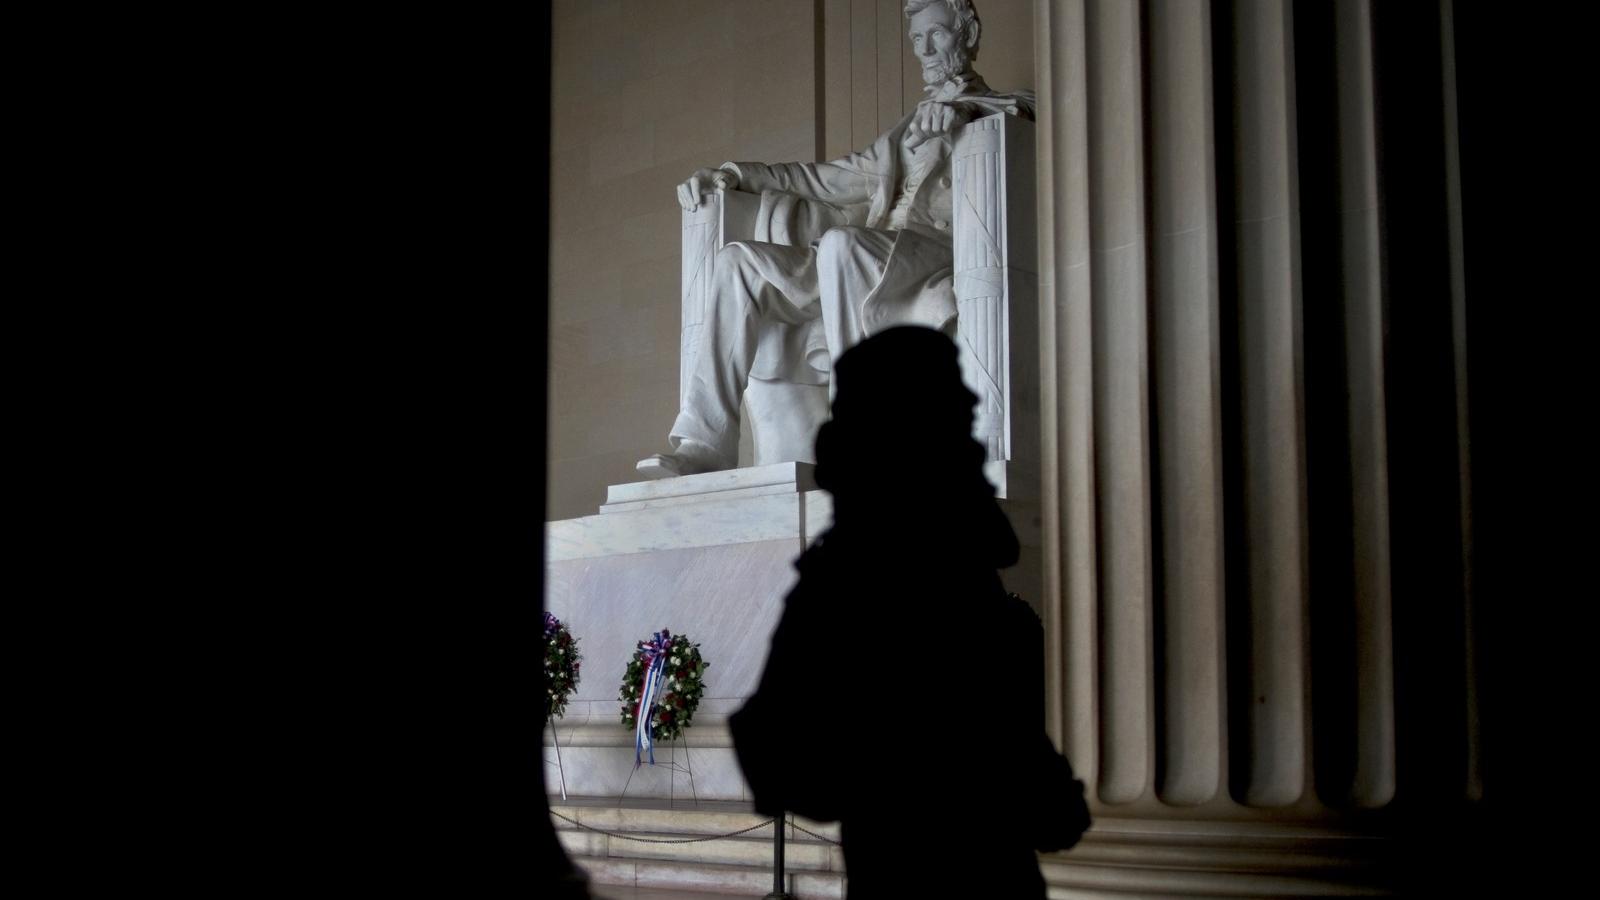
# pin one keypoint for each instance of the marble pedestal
(711, 557)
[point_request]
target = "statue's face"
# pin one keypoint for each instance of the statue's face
(937, 44)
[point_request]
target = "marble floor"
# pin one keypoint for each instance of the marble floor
(623, 892)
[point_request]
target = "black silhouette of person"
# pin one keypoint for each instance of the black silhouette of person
(903, 690)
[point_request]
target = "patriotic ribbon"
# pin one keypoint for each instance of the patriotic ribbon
(655, 657)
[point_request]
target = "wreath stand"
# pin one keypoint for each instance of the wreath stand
(672, 767)
(556, 739)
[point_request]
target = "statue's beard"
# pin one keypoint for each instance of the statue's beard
(956, 65)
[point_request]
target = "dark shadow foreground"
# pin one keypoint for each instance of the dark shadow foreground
(903, 692)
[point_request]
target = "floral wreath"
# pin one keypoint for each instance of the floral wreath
(561, 664)
(668, 669)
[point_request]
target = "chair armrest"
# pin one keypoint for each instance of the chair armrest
(722, 216)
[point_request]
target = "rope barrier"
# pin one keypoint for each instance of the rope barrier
(819, 837)
(709, 837)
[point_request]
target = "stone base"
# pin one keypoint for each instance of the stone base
(1132, 857)
(708, 556)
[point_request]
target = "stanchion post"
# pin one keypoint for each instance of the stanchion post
(778, 893)
(555, 738)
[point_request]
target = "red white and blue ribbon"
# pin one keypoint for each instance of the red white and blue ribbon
(656, 651)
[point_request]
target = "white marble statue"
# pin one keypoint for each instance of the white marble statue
(855, 245)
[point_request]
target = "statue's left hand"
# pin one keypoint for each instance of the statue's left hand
(934, 118)
(704, 180)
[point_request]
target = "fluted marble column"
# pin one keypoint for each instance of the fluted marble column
(1235, 422)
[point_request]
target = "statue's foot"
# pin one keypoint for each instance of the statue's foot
(688, 458)
(660, 465)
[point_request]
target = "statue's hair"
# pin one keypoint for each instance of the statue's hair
(966, 15)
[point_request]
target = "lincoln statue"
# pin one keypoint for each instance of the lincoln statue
(872, 248)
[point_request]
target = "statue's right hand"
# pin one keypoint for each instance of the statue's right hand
(704, 180)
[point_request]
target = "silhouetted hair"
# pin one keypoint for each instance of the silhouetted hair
(901, 413)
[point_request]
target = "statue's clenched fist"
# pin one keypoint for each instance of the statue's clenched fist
(704, 180)
(934, 118)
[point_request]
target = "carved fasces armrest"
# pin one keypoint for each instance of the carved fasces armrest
(995, 267)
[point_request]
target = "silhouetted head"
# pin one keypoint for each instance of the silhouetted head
(898, 454)
(900, 414)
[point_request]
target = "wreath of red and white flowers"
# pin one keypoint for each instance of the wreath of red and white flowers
(561, 664)
(678, 693)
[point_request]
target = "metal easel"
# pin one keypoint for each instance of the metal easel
(673, 767)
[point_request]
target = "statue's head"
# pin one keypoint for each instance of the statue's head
(944, 36)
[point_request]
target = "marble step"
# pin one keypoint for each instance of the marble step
(1119, 857)
(799, 855)
(739, 864)
(738, 881)
(1200, 858)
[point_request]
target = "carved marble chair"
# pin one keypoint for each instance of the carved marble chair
(994, 280)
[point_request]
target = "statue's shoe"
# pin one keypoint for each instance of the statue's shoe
(660, 465)
(689, 458)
